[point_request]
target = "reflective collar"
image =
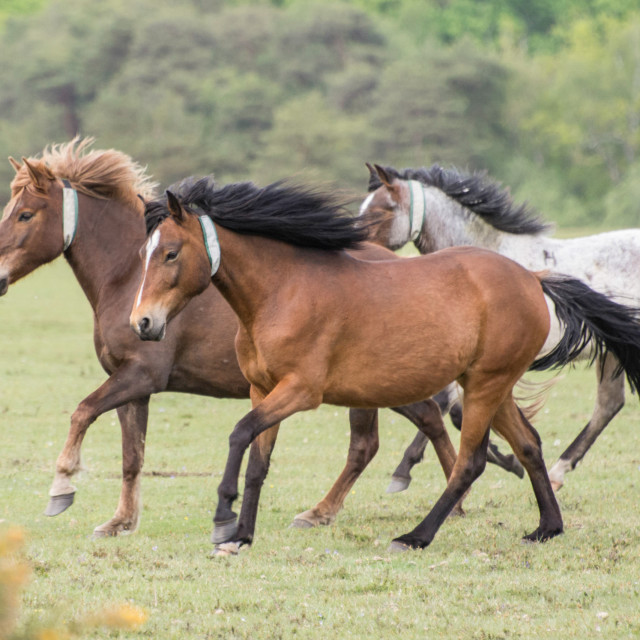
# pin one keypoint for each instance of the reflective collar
(211, 243)
(69, 213)
(417, 208)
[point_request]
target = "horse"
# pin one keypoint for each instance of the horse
(405, 330)
(438, 208)
(86, 205)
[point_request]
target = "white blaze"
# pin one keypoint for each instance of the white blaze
(152, 245)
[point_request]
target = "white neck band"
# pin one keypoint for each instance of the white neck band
(211, 243)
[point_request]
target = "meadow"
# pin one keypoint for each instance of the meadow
(477, 579)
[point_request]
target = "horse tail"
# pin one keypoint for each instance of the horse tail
(591, 318)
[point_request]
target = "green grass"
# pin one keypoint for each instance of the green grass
(477, 579)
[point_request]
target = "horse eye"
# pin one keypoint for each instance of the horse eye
(171, 256)
(25, 216)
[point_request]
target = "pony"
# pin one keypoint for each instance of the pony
(437, 208)
(405, 328)
(86, 204)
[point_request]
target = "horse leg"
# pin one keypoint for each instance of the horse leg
(288, 397)
(257, 469)
(470, 463)
(511, 423)
(133, 421)
(494, 455)
(363, 446)
(609, 400)
(401, 477)
(127, 383)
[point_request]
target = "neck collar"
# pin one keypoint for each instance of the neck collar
(211, 243)
(417, 208)
(69, 213)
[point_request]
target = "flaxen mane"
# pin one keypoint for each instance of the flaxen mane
(478, 193)
(107, 174)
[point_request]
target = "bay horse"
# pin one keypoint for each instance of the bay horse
(438, 208)
(406, 328)
(84, 204)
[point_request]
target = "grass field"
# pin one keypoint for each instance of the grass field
(477, 579)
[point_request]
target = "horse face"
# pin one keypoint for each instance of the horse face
(31, 226)
(386, 210)
(175, 269)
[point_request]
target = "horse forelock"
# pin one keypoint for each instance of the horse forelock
(104, 174)
(476, 192)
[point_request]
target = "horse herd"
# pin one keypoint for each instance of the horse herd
(310, 305)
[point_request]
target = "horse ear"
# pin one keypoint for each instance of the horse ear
(35, 175)
(383, 175)
(15, 164)
(174, 206)
(372, 172)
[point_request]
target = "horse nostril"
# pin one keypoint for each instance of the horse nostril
(144, 325)
(4, 285)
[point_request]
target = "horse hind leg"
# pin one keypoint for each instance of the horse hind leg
(609, 400)
(133, 418)
(414, 453)
(363, 446)
(510, 422)
(470, 464)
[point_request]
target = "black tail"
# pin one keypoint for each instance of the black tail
(590, 318)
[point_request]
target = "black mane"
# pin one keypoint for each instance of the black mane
(294, 214)
(477, 193)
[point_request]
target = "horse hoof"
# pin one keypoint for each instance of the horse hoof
(299, 523)
(399, 547)
(555, 485)
(517, 468)
(109, 530)
(224, 531)
(398, 484)
(540, 535)
(58, 504)
(227, 549)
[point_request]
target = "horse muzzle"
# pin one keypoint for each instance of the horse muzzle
(4, 285)
(146, 329)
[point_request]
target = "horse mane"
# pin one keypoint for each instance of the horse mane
(478, 193)
(104, 174)
(291, 213)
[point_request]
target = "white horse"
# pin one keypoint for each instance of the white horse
(438, 208)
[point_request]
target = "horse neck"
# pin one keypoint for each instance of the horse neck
(104, 252)
(449, 224)
(251, 269)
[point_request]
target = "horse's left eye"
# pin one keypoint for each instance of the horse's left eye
(171, 256)
(25, 216)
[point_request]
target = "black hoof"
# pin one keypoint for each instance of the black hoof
(398, 484)
(58, 504)
(224, 531)
(517, 468)
(542, 535)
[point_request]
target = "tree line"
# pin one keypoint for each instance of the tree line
(543, 94)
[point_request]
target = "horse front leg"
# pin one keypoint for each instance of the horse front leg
(127, 383)
(288, 397)
(133, 418)
(609, 400)
(363, 446)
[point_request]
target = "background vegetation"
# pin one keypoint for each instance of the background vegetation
(476, 581)
(545, 94)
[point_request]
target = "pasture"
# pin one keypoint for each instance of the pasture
(476, 580)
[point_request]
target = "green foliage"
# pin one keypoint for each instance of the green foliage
(542, 93)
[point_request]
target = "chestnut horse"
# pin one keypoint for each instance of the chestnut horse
(436, 208)
(100, 233)
(405, 328)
